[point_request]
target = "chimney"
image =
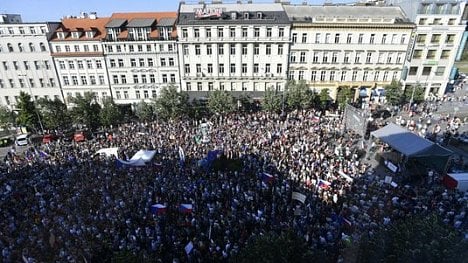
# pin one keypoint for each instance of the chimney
(92, 15)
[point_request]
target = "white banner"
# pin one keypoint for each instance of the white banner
(299, 197)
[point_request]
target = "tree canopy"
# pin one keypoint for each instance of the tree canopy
(220, 102)
(171, 103)
(144, 111)
(7, 117)
(110, 113)
(394, 93)
(27, 114)
(86, 110)
(54, 113)
(299, 95)
(344, 95)
(272, 100)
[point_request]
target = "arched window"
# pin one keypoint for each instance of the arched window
(10, 47)
(20, 47)
(43, 47)
(31, 47)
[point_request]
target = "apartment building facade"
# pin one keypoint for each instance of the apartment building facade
(25, 61)
(141, 54)
(79, 58)
(242, 48)
(357, 47)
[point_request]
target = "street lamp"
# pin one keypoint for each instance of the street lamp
(35, 103)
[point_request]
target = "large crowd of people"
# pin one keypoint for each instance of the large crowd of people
(61, 202)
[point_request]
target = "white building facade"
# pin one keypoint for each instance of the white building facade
(431, 57)
(242, 48)
(141, 55)
(79, 57)
(357, 47)
(26, 62)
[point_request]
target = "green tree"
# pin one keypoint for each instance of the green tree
(324, 97)
(394, 93)
(344, 95)
(86, 110)
(221, 102)
(171, 103)
(144, 111)
(286, 247)
(54, 113)
(272, 100)
(7, 117)
(299, 95)
(27, 114)
(416, 239)
(110, 113)
(418, 95)
(198, 109)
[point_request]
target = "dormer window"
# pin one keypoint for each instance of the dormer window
(89, 34)
(75, 35)
(233, 15)
(259, 15)
(61, 35)
(246, 15)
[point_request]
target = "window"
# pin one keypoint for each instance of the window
(244, 68)
(121, 63)
(184, 33)
(71, 64)
(445, 54)
(337, 38)
(313, 75)
(75, 80)
(220, 49)
(145, 94)
(384, 38)
(118, 48)
(125, 94)
(141, 62)
(31, 83)
(301, 75)
(5, 65)
(84, 80)
(417, 54)
(98, 64)
(123, 79)
(394, 39)
(435, 38)
(421, 39)
(398, 59)
(268, 49)
(315, 57)
(369, 57)
(268, 32)
(389, 58)
(31, 47)
(209, 49)
(349, 38)
(354, 75)
(10, 47)
(372, 39)
(66, 81)
(422, 21)
(58, 49)
(210, 68)
(36, 65)
(221, 68)
(197, 50)
(153, 94)
(244, 49)
(332, 75)
(361, 36)
(135, 78)
(232, 32)
(187, 69)
(80, 64)
(357, 59)
(450, 39)
(256, 49)
(150, 62)
(199, 86)
(325, 58)
(115, 79)
(244, 32)
(437, 21)
(164, 78)
(41, 82)
(95, 48)
(2, 85)
(196, 32)
(280, 49)
(198, 68)
(188, 86)
(304, 37)
(101, 80)
(302, 58)
(143, 79)
(426, 71)
(403, 39)
(334, 57)
(294, 37)
(92, 80)
(430, 54)
(112, 63)
(365, 75)
(281, 32)
(233, 68)
(208, 32)
(256, 32)
(440, 71)
(343, 75)
(279, 68)
(137, 94)
(163, 62)
(385, 76)
(220, 32)
(89, 64)
(20, 47)
(76, 48)
(152, 78)
(322, 75)
(292, 58)
(327, 38)
(232, 49)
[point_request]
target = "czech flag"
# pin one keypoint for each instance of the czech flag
(268, 178)
(186, 208)
(316, 119)
(158, 209)
(324, 184)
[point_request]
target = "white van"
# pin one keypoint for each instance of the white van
(22, 140)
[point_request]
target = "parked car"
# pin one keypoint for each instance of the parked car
(22, 140)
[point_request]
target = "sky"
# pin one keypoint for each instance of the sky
(54, 10)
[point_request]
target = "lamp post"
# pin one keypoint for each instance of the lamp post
(35, 103)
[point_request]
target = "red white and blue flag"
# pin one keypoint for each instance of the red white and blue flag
(158, 209)
(324, 184)
(186, 208)
(268, 178)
